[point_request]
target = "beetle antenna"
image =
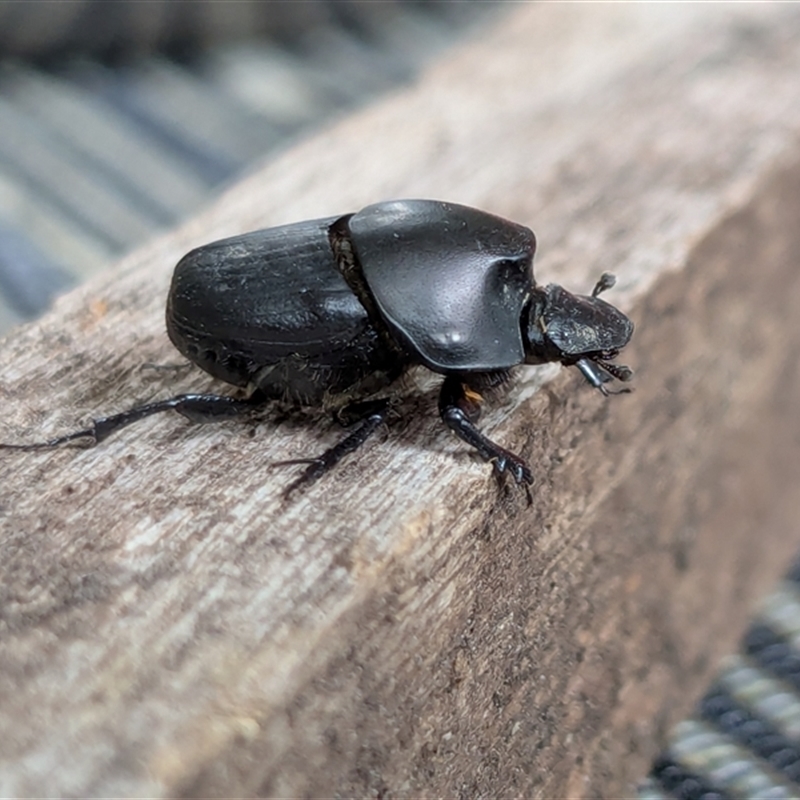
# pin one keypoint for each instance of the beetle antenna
(607, 280)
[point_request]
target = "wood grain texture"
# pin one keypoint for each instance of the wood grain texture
(169, 627)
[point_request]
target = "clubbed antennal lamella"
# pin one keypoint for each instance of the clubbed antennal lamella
(606, 281)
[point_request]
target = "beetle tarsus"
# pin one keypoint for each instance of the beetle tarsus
(457, 411)
(376, 413)
(51, 443)
(200, 408)
(502, 484)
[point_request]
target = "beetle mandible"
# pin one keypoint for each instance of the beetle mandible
(331, 312)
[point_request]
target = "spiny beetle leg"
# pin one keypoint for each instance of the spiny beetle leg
(457, 408)
(372, 414)
(201, 408)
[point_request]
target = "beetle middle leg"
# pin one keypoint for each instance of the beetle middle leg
(200, 408)
(457, 410)
(369, 415)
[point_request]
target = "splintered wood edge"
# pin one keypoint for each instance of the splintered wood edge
(165, 593)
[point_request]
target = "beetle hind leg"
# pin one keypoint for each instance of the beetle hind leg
(200, 408)
(370, 414)
(457, 408)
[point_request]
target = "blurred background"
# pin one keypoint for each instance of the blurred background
(119, 119)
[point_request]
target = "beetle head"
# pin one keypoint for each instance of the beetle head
(578, 330)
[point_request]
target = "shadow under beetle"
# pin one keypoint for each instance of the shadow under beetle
(330, 312)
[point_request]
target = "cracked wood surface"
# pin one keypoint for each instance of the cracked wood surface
(169, 627)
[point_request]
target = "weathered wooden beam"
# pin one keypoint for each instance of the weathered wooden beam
(169, 627)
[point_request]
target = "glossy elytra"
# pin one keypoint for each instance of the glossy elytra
(331, 312)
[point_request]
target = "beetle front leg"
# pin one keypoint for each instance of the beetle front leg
(457, 411)
(200, 408)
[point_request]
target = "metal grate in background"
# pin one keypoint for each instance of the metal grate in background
(118, 120)
(744, 739)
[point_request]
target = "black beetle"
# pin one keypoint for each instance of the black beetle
(331, 312)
